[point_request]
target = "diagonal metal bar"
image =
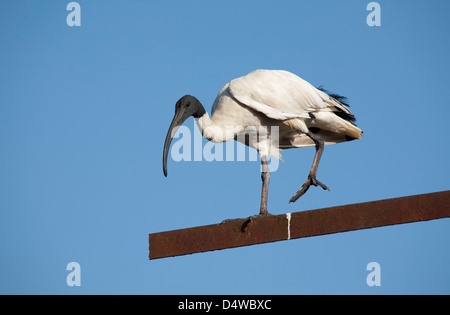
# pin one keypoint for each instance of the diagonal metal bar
(300, 224)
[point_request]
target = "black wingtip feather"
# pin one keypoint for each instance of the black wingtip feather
(346, 116)
(343, 100)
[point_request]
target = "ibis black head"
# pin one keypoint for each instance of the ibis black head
(186, 107)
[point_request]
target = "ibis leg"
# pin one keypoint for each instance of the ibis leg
(265, 176)
(312, 174)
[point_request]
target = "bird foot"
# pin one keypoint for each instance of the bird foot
(249, 220)
(252, 218)
(261, 215)
(310, 181)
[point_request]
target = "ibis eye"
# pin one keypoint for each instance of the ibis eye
(188, 103)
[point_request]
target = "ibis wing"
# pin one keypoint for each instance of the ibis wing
(281, 95)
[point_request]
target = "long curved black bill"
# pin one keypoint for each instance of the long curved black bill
(177, 121)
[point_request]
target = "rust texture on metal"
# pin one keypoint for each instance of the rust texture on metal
(300, 224)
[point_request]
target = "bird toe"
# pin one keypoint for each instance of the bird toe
(310, 181)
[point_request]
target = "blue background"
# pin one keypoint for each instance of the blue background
(84, 112)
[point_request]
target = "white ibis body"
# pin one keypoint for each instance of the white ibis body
(305, 116)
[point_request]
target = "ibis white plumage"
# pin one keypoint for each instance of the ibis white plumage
(304, 116)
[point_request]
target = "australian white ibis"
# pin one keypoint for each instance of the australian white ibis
(305, 116)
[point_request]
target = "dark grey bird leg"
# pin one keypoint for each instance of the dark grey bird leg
(265, 176)
(312, 174)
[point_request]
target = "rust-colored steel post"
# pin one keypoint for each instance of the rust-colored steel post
(300, 224)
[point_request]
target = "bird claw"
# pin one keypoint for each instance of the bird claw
(252, 218)
(310, 181)
(248, 220)
(261, 215)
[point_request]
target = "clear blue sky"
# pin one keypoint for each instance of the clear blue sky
(84, 112)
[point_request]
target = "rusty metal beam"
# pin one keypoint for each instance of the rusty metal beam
(300, 224)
